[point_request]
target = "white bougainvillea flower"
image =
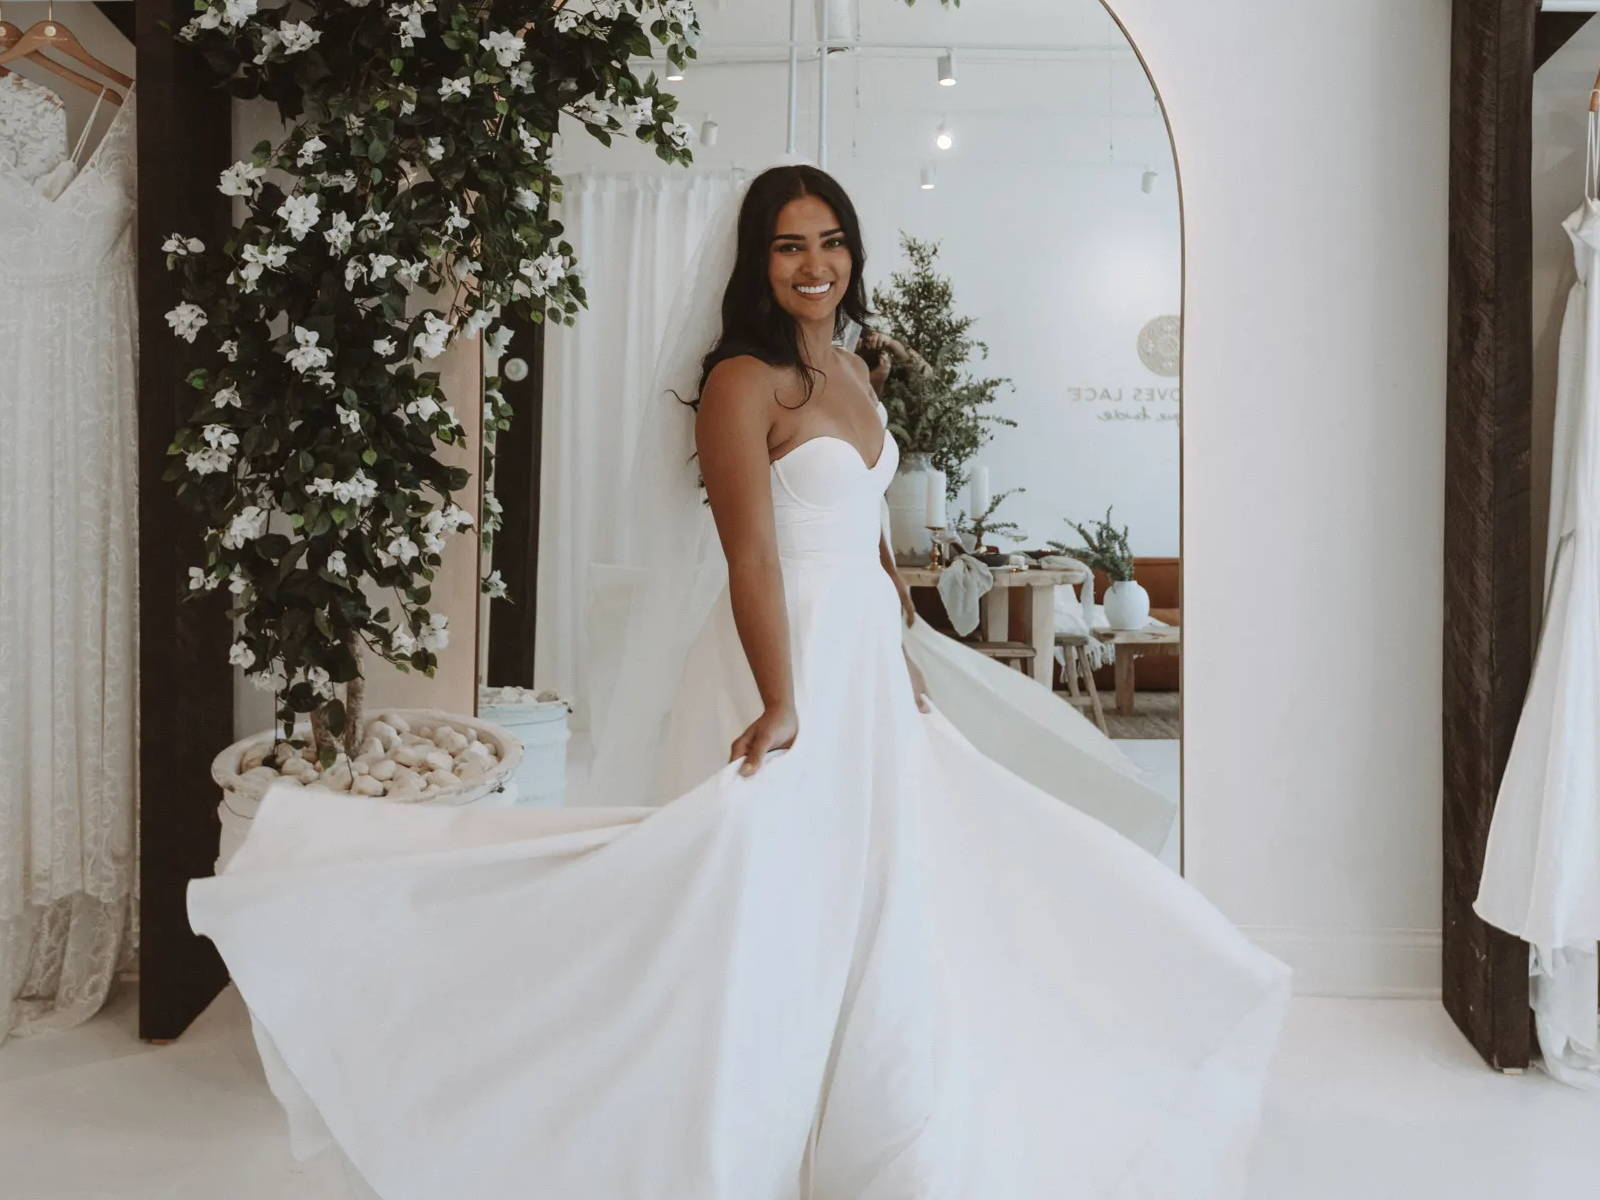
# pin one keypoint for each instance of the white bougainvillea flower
(338, 233)
(436, 634)
(230, 350)
(506, 46)
(435, 335)
(200, 580)
(227, 397)
(360, 489)
(498, 340)
(309, 149)
(380, 264)
(336, 564)
(220, 437)
(481, 319)
(401, 642)
(461, 86)
(187, 320)
(402, 548)
(237, 583)
(409, 273)
(522, 77)
(349, 418)
(423, 408)
(248, 524)
(321, 683)
(296, 36)
(208, 461)
(300, 215)
(241, 179)
(376, 223)
(345, 181)
(456, 220)
(494, 586)
(307, 356)
(327, 379)
(182, 246)
(638, 114)
(271, 39)
(434, 148)
(457, 517)
(679, 134)
(526, 198)
(241, 655)
(385, 347)
(354, 272)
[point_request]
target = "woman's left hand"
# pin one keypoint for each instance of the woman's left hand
(919, 686)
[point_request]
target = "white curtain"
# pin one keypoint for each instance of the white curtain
(633, 235)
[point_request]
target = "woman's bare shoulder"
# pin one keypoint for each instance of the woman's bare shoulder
(742, 383)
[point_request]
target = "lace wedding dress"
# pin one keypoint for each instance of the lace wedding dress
(882, 968)
(67, 563)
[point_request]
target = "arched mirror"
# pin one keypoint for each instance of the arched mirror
(1019, 200)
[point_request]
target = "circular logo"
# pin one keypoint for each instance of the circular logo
(1160, 342)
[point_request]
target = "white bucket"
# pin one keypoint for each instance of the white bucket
(541, 726)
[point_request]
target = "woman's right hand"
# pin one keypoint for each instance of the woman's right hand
(774, 729)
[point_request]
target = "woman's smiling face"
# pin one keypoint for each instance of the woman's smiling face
(809, 261)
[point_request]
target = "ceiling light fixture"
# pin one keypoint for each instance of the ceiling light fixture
(927, 179)
(708, 132)
(942, 138)
(1147, 182)
(947, 69)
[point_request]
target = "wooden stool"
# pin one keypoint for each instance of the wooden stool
(1076, 647)
(1018, 654)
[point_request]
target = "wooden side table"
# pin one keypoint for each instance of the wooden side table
(1130, 644)
(1023, 597)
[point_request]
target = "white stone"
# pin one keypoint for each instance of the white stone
(366, 785)
(438, 760)
(385, 769)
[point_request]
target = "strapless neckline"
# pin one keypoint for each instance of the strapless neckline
(833, 437)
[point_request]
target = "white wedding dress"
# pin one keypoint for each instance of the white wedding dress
(68, 621)
(881, 968)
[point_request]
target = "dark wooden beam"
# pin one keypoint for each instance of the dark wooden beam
(121, 15)
(185, 682)
(1553, 31)
(1488, 426)
(516, 546)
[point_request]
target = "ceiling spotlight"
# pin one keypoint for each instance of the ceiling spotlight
(1147, 182)
(942, 138)
(708, 132)
(927, 179)
(674, 74)
(947, 69)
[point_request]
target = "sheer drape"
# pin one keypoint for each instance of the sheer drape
(634, 236)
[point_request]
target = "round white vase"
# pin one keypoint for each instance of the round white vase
(907, 497)
(1127, 605)
(241, 796)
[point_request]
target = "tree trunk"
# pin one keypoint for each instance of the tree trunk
(355, 698)
(320, 737)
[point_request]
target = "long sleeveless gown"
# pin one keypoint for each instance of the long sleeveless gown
(68, 622)
(881, 968)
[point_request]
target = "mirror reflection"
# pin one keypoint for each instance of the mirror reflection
(1019, 213)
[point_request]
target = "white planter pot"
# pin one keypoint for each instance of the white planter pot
(242, 796)
(541, 727)
(907, 497)
(1127, 605)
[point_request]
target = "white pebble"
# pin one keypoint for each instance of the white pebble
(438, 760)
(253, 758)
(398, 723)
(469, 772)
(384, 769)
(441, 779)
(366, 785)
(408, 756)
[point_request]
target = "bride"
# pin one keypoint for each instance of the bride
(851, 959)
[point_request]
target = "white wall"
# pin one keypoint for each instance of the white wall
(1312, 141)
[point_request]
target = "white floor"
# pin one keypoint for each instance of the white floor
(1371, 1100)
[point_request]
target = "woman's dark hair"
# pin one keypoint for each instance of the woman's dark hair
(752, 322)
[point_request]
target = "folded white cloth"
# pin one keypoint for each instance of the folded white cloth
(961, 586)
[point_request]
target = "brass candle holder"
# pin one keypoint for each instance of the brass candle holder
(935, 550)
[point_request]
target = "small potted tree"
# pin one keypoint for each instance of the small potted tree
(936, 410)
(1105, 548)
(406, 206)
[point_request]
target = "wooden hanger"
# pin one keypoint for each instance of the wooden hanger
(53, 35)
(10, 35)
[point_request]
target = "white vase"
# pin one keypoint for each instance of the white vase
(241, 794)
(1127, 605)
(907, 496)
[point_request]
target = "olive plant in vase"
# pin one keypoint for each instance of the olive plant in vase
(1105, 548)
(407, 205)
(936, 407)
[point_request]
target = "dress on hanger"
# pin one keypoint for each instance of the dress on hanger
(884, 967)
(67, 565)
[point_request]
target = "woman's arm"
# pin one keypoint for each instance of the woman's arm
(886, 557)
(731, 436)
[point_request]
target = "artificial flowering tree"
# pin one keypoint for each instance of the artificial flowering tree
(407, 204)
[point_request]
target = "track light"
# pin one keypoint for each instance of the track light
(927, 179)
(947, 69)
(708, 132)
(674, 74)
(1147, 182)
(942, 138)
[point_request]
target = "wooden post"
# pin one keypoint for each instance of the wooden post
(1487, 606)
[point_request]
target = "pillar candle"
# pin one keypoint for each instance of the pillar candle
(936, 518)
(978, 491)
